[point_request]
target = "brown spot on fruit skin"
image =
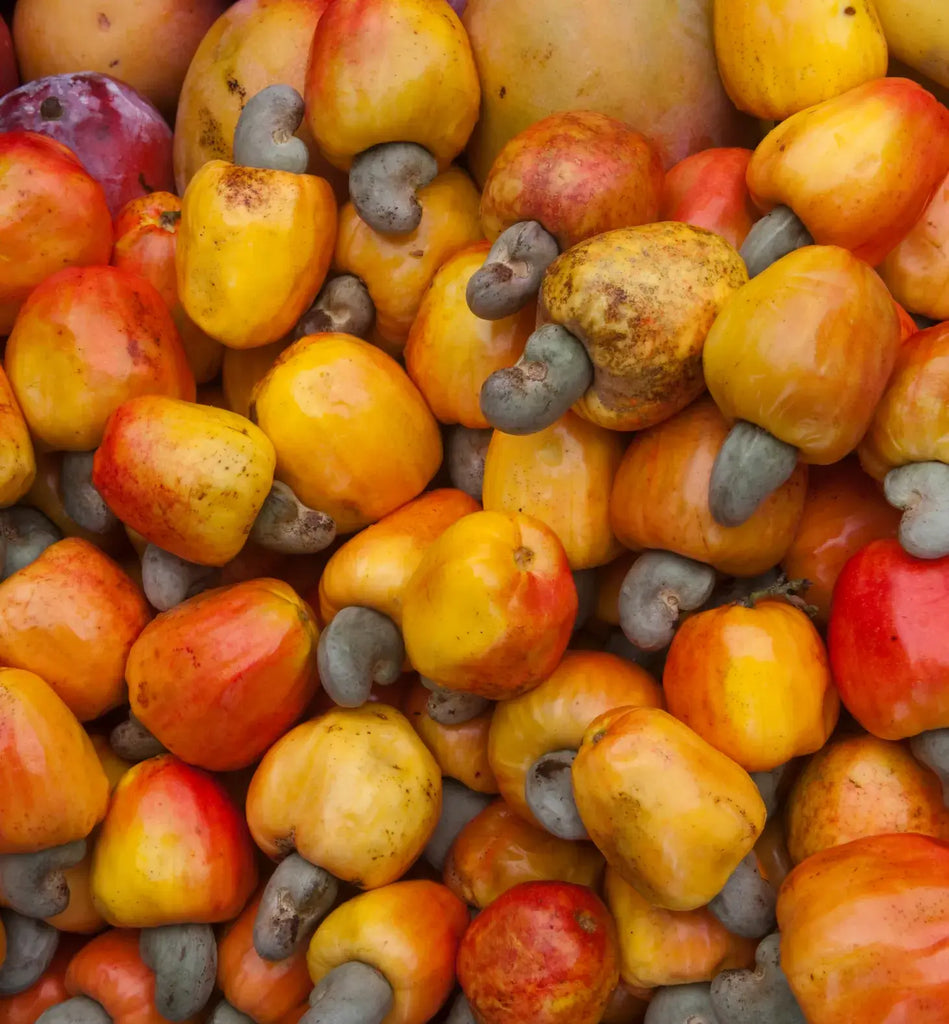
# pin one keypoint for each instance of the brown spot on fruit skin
(103, 21)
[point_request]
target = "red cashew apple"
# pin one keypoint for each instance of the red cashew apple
(9, 79)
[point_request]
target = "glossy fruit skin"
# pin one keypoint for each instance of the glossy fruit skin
(9, 76)
(353, 790)
(911, 419)
(221, 676)
(269, 992)
(119, 135)
(460, 750)
(53, 37)
(173, 849)
(670, 947)
(146, 236)
(46, 194)
(242, 368)
(47, 991)
(823, 162)
(110, 970)
(864, 931)
(678, 842)
(450, 352)
(373, 567)
(397, 269)
(498, 849)
(188, 477)
(889, 664)
(354, 397)
(577, 173)
(253, 249)
(253, 44)
(52, 788)
(87, 339)
(561, 475)
(779, 58)
(71, 617)
(543, 951)
(708, 190)
(753, 682)
(17, 458)
(390, 72)
(491, 606)
(862, 786)
(658, 73)
(913, 271)
(818, 334)
(844, 509)
(665, 284)
(660, 498)
(409, 931)
(916, 34)
(555, 714)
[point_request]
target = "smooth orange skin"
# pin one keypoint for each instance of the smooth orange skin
(660, 498)
(53, 215)
(865, 931)
(670, 947)
(189, 478)
(708, 190)
(242, 368)
(917, 271)
(753, 682)
(460, 750)
(86, 340)
(52, 787)
(862, 786)
(546, 952)
(491, 606)
(804, 350)
(379, 444)
(71, 616)
(173, 849)
(48, 990)
(907, 324)
(46, 495)
(353, 790)
(498, 849)
(844, 510)
(253, 44)
(146, 234)
(148, 45)
(578, 173)
(450, 352)
(556, 714)
(397, 269)
(373, 567)
(409, 931)
(267, 991)
(857, 169)
(672, 815)
(383, 72)
(17, 458)
(110, 970)
(771, 852)
(221, 676)
(654, 70)
(911, 420)
(563, 476)
(609, 581)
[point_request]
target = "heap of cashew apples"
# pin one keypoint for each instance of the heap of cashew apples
(474, 512)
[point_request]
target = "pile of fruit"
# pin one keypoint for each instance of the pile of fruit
(474, 512)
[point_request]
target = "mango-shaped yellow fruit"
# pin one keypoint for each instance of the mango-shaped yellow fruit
(189, 478)
(354, 791)
(777, 58)
(254, 246)
(17, 461)
(671, 814)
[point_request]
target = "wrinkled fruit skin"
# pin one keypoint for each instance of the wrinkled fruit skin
(889, 660)
(544, 952)
(120, 137)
